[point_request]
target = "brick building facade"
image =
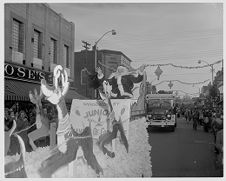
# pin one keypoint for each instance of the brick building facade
(36, 39)
(108, 60)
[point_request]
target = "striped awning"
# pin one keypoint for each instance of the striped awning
(72, 94)
(19, 91)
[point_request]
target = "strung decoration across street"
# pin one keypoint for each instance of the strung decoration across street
(158, 72)
(186, 83)
(170, 64)
(170, 84)
(185, 67)
(176, 92)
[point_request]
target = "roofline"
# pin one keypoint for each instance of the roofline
(114, 51)
(59, 14)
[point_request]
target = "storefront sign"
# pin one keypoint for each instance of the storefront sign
(94, 113)
(24, 73)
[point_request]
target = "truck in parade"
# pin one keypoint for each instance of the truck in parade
(159, 111)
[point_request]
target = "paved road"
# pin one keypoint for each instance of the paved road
(183, 153)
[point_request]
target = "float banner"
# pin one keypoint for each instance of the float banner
(94, 113)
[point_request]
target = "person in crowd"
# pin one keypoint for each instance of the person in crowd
(217, 125)
(186, 114)
(219, 146)
(22, 124)
(201, 117)
(189, 115)
(195, 118)
(206, 120)
(8, 121)
(32, 116)
(12, 115)
(178, 112)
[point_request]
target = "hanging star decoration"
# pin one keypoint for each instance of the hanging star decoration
(186, 83)
(158, 72)
(170, 84)
(168, 64)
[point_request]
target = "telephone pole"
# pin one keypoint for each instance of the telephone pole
(86, 45)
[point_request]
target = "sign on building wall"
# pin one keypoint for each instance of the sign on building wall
(23, 73)
(94, 113)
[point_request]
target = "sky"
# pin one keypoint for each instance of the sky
(154, 33)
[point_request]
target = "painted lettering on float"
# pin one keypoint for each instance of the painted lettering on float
(98, 112)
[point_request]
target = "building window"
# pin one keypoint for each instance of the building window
(53, 51)
(84, 76)
(37, 44)
(17, 36)
(66, 56)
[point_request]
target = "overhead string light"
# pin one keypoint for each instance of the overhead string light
(167, 64)
(185, 92)
(187, 83)
(185, 67)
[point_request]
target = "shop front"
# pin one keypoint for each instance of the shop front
(19, 80)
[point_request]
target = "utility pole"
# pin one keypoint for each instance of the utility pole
(86, 45)
(212, 70)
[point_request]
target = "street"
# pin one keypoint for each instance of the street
(183, 153)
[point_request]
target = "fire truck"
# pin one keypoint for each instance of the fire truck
(159, 111)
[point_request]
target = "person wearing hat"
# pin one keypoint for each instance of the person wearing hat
(121, 81)
(217, 125)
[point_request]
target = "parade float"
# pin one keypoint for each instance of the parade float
(97, 138)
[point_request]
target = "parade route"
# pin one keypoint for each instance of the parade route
(183, 153)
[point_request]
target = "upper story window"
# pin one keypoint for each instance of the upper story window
(66, 56)
(17, 36)
(53, 51)
(37, 52)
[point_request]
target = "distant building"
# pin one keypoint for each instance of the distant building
(83, 59)
(205, 90)
(108, 61)
(151, 89)
(219, 82)
(36, 39)
(112, 59)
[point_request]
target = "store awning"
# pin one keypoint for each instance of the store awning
(72, 94)
(19, 91)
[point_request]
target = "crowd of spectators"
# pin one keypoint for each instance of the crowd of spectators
(211, 119)
(25, 123)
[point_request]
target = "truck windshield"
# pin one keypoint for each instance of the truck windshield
(157, 106)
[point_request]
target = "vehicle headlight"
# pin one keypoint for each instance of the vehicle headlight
(149, 116)
(168, 116)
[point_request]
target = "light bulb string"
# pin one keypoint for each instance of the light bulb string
(187, 83)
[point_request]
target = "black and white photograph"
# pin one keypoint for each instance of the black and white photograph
(113, 89)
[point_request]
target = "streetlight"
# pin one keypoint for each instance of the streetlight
(211, 66)
(113, 32)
